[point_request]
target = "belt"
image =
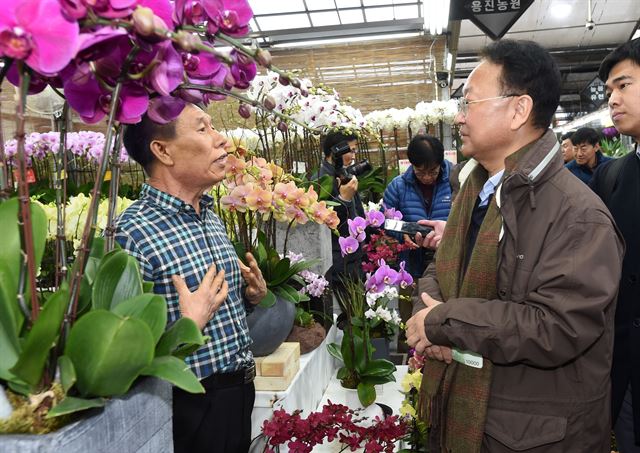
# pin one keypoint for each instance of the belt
(243, 376)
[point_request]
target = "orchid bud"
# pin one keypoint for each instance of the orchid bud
(296, 83)
(282, 126)
(187, 41)
(304, 93)
(269, 102)
(244, 110)
(143, 21)
(283, 80)
(263, 57)
(243, 59)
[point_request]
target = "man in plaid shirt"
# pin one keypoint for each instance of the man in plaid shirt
(182, 247)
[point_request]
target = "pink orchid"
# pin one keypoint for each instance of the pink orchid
(404, 278)
(293, 213)
(333, 220)
(348, 245)
(357, 227)
(259, 199)
(282, 190)
(319, 212)
(35, 31)
(234, 165)
(375, 218)
(230, 16)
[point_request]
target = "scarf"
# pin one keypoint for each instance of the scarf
(454, 398)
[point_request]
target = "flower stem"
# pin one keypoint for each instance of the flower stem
(5, 188)
(28, 267)
(90, 226)
(60, 185)
(116, 166)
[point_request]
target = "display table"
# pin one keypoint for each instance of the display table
(317, 368)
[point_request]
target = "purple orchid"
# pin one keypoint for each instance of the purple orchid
(230, 16)
(375, 218)
(383, 276)
(192, 12)
(610, 132)
(243, 70)
(36, 32)
(348, 245)
(165, 109)
(404, 278)
(357, 228)
(168, 72)
(393, 213)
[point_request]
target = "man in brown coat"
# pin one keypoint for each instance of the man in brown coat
(516, 314)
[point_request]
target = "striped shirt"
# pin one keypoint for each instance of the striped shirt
(168, 237)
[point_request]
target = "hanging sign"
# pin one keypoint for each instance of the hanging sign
(494, 17)
(594, 92)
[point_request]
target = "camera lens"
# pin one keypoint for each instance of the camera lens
(359, 168)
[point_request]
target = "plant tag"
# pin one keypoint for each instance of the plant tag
(107, 175)
(31, 175)
(467, 358)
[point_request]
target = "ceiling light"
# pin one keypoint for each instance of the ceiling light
(436, 16)
(319, 42)
(561, 10)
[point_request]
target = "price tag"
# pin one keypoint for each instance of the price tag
(467, 358)
(31, 175)
(107, 175)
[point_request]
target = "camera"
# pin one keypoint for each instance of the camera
(346, 173)
(590, 25)
(443, 79)
(410, 228)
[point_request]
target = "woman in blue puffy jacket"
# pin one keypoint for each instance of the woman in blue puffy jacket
(422, 192)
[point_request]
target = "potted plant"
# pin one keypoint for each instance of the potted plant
(253, 197)
(366, 307)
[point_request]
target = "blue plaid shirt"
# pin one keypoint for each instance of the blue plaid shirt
(168, 237)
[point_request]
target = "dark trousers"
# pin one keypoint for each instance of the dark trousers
(624, 426)
(218, 421)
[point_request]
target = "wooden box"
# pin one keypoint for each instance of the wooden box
(277, 370)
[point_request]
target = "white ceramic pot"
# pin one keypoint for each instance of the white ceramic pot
(351, 400)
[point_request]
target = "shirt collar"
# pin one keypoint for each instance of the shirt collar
(171, 203)
(490, 187)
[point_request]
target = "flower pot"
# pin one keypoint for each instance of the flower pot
(308, 337)
(351, 400)
(139, 421)
(269, 327)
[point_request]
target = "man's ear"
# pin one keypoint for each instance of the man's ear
(161, 152)
(523, 111)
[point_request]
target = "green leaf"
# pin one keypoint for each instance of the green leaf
(150, 308)
(342, 373)
(175, 371)
(377, 380)
(20, 387)
(183, 332)
(71, 404)
(147, 287)
(41, 338)
(287, 293)
(269, 300)
(9, 312)
(334, 350)
(108, 352)
(366, 394)
(379, 367)
(358, 361)
(67, 372)
(118, 279)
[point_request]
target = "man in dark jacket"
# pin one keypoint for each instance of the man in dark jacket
(423, 192)
(519, 350)
(588, 156)
(618, 184)
(349, 207)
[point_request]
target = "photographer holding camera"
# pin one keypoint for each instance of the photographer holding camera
(339, 151)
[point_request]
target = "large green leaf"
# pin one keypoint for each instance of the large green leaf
(41, 338)
(150, 308)
(379, 367)
(269, 299)
(334, 350)
(366, 394)
(108, 352)
(118, 279)
(67, 372)
(176, 371)
(70, 405)
(10, 253)
(183, 332)
(354, 356)
(9, 343)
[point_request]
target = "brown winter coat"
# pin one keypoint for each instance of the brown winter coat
(550, 333)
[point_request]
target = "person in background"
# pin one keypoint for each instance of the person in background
(566, 146)
(349, 207)
(183, 249)
(587, 155)
(515, 315)
(423, 192)
(618, 183)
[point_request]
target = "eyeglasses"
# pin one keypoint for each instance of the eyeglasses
(463, 103)
(433, 173)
